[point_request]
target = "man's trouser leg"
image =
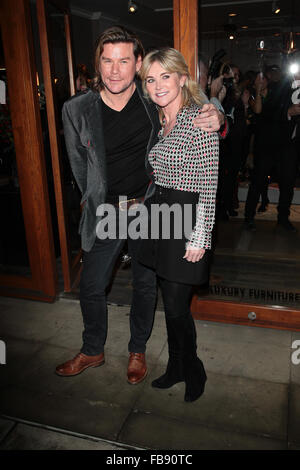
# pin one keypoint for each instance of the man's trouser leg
(263, 164)
(144, 298)
(287, 172)
(97, 270)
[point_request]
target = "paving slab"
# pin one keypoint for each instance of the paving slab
(5, 428)
(91, 417)
(266, 362)
(223, 332)
(107, 383)
(293, 446)
(229, 403)
(35, 321)
(19, 355)
(230, 351)
(25, 437)
(295, 358)
(294, 414)
(158, 432)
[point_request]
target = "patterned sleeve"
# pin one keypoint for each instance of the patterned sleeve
(205, 152)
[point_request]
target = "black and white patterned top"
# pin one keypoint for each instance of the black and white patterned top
(187, 160)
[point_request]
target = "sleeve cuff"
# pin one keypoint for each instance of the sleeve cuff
(223, 131)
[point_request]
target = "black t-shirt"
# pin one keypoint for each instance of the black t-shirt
(126, 135)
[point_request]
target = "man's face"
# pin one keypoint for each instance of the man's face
(236, 74)
(118, 66)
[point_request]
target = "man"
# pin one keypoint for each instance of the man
(108, 131)
(275, 147)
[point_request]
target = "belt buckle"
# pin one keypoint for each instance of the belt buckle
(125, 202)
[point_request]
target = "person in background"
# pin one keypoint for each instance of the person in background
(83, 80)
(235, 104)
(272, 148)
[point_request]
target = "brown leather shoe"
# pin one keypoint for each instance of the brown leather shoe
(78, 364)
(137, 368)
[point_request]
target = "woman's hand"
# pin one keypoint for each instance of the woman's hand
(194, 254)
(258, 83)
(245, 97)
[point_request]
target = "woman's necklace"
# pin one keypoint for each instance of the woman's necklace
(168, 127)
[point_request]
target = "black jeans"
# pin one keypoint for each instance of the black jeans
(96, 275)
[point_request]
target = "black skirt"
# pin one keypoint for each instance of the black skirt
(165, 252)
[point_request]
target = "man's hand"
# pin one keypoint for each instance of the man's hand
(210, 119)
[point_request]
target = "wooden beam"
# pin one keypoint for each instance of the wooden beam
(185, 18)
(54, 143)
(26, 122)
(69, 54)
(265, 316)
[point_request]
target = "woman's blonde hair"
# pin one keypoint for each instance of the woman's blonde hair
(173, 62)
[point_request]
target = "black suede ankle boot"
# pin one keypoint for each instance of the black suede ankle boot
(195, 378)
(173, 375)
(194, 372)
(183, 364)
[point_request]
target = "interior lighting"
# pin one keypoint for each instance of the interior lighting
(294, 68)
(132, 7)
(275, 7)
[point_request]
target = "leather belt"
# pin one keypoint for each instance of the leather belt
(124, 205)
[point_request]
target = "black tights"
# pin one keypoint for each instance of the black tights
(183, 364)
(176, 298)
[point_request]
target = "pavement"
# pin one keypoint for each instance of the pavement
(251, 400)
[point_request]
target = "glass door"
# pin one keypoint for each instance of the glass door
(255, 272)
(57, 68)
(27, 257)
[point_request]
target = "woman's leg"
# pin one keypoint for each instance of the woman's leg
(176, 299)
(183, 362)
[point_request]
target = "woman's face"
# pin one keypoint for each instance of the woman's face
(164, 88)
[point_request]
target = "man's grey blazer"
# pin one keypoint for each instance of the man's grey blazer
(84, 138)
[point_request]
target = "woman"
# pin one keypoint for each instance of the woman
(184, 162)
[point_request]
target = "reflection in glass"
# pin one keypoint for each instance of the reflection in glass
(13, 246)
(254, 266)
(61, 91)
(58, 52)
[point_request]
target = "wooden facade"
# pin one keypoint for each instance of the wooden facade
(28, 141)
